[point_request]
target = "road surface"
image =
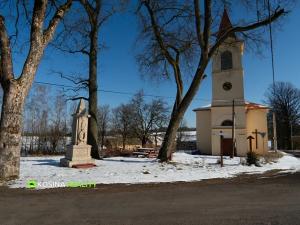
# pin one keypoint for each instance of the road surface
(268, 199)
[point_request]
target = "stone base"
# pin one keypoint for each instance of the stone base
(76, 155)
(68, 163)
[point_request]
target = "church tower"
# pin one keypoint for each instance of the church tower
(228, 115)
(230, 125)
(227, 69)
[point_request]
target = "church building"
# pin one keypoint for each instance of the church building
(230, 124)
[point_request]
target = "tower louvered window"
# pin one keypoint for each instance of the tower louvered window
(226, 60)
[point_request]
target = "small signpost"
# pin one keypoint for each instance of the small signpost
(221, 147)
(250, 138)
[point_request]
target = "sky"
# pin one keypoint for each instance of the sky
(118, 70)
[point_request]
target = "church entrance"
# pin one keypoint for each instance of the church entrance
(226, 145)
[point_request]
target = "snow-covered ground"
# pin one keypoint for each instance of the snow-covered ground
(142, 170)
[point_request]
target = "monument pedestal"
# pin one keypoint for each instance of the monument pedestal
(77, 155)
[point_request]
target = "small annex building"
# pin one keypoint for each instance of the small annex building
(230, 123)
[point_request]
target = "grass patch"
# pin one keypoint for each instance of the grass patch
(272, 157)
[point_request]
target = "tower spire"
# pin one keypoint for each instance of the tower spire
(225, 25)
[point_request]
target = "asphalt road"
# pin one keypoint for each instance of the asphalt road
(268, 199)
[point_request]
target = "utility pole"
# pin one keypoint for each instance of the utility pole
(273, 73)
(221, 148)
(233, 130)
(292, 135)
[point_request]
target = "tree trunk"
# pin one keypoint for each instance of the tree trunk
(144, 141)
(11, 124)
(102, 139)
(169, 143)
(179, 109)
(93, 88)
(123, 143)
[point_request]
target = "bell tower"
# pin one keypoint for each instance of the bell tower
(227, 69)
(228, 114)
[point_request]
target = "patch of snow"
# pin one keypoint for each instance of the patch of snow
(184, 167)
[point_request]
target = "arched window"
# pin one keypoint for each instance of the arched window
(227, 123)
(226, 60)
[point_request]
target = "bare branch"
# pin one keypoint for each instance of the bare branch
(49, 32)
(207, 25)
(38, 17)
(82, 50)
(157, 34)
(198, 24)
(6, 60)
(105, 18)
(75, 79)
(77, 98)
(166, 53)
(92, 12)
(252, 26)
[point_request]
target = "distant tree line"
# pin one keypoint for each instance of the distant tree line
(284, 99)
(136, 119)
(46, 122)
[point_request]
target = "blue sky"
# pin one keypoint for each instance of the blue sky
(118, 70)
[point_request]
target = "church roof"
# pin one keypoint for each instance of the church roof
(203, 108)
(225, 25)
(252, 105)
(248, 105)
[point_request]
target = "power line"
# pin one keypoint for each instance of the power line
(115, 92)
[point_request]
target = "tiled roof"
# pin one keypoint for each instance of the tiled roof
(252, 105)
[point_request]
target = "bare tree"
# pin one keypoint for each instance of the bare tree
(284, 99)
(36, 115)
(85, 40)
(103, 116)
(122, 122)
(180, 38)
(58, 127)
(16, 88)
(147, 117)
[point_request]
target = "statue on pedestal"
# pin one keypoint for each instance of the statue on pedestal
(79, 152)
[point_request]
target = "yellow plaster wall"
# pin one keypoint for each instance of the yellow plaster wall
(203, 124)
(257, 119)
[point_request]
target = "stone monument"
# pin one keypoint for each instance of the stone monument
(78, 154)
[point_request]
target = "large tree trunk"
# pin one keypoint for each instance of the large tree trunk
(179, 109)
(93, 88)
(169, 143)
(123, 143)
(11, 124)
(16, 90)
(144, 141)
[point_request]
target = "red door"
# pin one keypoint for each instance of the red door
(227, 146)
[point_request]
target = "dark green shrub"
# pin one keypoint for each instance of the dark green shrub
(252, 159)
